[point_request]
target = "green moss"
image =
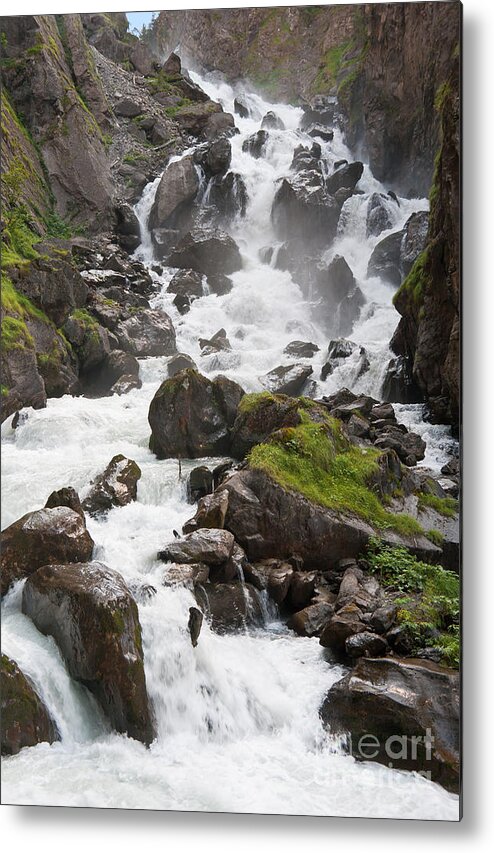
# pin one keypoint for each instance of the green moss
(444, 506)
(84, 317)
(416, 282)
(58, 227)
(431, 599)
(443, 91)
(15, 335)
(317, 461)
(436, 537)
(4, 391)
(251, 402)
(330, 67)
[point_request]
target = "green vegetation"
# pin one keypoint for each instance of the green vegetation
(15, 335)
(318, 461)
(330, 67)
(436, 537)
(429, 609)
(57, 227)
(18, 309)
(416, 282)
(444, 506)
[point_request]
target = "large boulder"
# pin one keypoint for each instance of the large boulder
(147, 333)
(304, 211)
(92, 616)
(190, 416)
(378, 216)
(340, 298)
(414, 240)
(67, 496)
(116, 486)
(346, 176)
(268, 520)
(310, 621)
(127, 228)
(408, 712)
(255, 144)
(384, 261)
(25, 720)
(258, 416)
(176, 190)
(208, 251)
(45, 536)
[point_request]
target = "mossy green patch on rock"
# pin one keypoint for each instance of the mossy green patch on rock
(444, 506)
(317, 460)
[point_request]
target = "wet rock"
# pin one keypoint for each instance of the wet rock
(180, 362)
(219, 284)
(211, 512)
(93, 618)
(301, 349)
(187, 283)
(117, 365)
(340, 628)
(399, 385)
(241, 107)
(45, 536)
(414, 240)
(255, 144)
(304, 212)
(147, 333)
(89, 339)
(345, 177)
(191, 417)
(310, 621)
(340, 297)
(219, 124)
(321, 132)
(409, 446)
(194, 625)
(218, 342)
(255, 423)
(229, 606)
(402, 704)
(25, 720)
(209, 546)
(177, 189)
(116, 486)
(272, 122)
(127, 227)
(289, 379)
(124, 384)
(365, 645)
(383, 618)
(183, 574)
(378, 218)
(208, 251)
(199, 483)
(219, 156)
(65, 497)
(302, 587)
(228, 194)
(385, 259)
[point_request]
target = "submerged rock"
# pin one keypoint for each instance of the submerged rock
(255, 144)
(340, 298)
(25, 720)
(93, 618)
(410, 707)
(45, 536)
(194, 625)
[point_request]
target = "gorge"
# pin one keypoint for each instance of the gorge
(201, 280)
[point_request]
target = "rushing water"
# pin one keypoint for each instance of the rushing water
(237, 717)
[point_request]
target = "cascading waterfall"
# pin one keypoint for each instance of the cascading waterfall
(237, 716)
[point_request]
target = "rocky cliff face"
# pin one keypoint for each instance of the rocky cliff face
(429, 299)
(384, 61)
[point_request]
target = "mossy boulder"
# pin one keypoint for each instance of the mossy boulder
(191, 416)
(57, 534)
(92, 616)
(25, 719)
(258, 416)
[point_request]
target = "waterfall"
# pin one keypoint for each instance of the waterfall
(237, 717)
